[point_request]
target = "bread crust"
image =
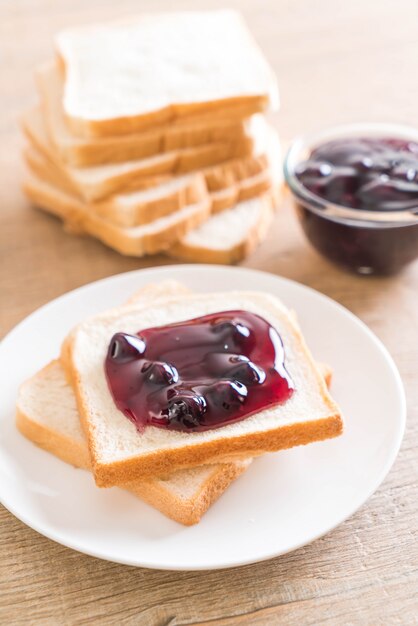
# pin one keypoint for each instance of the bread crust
(218, 176)
(174, 162)
(145, 211)
(101, 223)
(57, 444)
(257, 93)
(237, 448)
(238, 108)
(185, 251)
(240, 188)
(189, 511)
(82, 152)
(154, 491)
(80, 218)
(241, 191)
(184, 511)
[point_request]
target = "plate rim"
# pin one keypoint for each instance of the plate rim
(195, 268)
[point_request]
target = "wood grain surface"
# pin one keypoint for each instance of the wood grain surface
(337, 61)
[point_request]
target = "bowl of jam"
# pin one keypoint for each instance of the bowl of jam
(355, 190)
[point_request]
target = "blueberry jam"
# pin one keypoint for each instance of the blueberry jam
(372, 174)
(357, 201)
(199, 374)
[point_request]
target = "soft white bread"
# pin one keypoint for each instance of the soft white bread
(157, 294)
(228, 183)
(152, 220)
(95, 183)
(234, 234)
(55, 426)
(134, 208)
(138, 207)
(229, 236)
(153, 293)
(216, 243)
(245, 180)
(149, 238)
(47, 415)
(127, 75)
(80, 152)
(120, 454)
(149, 294)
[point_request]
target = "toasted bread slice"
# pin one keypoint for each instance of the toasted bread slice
(120, 454)
(124, 76)
(79, 152)
(97, 182)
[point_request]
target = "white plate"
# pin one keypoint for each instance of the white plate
(284, 501)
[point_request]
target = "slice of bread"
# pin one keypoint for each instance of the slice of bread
(149, 294)
(127, 75)
(138, 207)
(120, 454)
(233, 235)
(47, 415)
(152, 293)
(230, 236)
(243, 172)
(157, 293)
(95, 183)
(134, 208)
(80, 152)
(244, 185)
(149, 238)
(243, 190)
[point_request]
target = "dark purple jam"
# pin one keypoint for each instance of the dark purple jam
(199, 374)
(363, 248)
(364, 173)
(369, 174)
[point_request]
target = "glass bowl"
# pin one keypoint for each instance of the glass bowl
(366, 242)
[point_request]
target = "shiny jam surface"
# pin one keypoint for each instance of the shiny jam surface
(199, 374)
(373, 174)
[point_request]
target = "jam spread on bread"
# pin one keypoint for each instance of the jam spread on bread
(199, 374)
(372, 174)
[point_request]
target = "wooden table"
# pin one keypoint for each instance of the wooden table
(336, 62)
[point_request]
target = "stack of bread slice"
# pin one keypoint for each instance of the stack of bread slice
(150, 135)
(67, 408)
